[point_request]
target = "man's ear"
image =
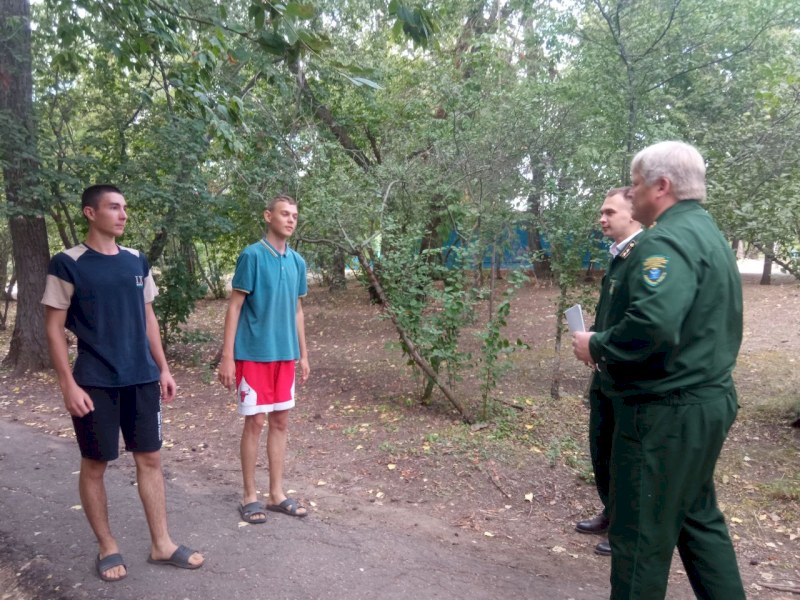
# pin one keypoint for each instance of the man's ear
(88, 212)
(267, 215)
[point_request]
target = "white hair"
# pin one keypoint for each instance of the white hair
(679, 162)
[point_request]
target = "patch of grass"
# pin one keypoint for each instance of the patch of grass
(783, 490)
(505, 425)
(567, 449)
(387, 447)
(582, 466)
(195, 336)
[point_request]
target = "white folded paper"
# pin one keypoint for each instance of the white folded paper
(574, 316)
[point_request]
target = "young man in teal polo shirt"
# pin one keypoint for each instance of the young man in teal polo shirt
(264, 337)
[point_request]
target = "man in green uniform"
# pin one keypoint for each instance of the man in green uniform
(617, 222)
(670, 359)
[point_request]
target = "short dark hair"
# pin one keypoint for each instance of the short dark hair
(618, 191)
(280, 198)
(92, 194)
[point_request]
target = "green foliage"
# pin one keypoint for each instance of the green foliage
(429, 301)
(413, 22)
(403, 123)
(178, 292)
(496, 349)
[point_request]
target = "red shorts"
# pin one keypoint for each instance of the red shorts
(264, 387)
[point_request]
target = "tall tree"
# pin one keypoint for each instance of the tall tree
(28, 350)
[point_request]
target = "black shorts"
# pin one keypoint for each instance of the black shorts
(135, 409)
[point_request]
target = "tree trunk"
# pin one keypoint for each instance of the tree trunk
(555, 384)
(541, 261)
(28, 349)
(336, 275)
(766, 273)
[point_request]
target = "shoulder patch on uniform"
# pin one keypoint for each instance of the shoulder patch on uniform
(655, 269)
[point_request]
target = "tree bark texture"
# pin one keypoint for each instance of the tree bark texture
(28, 349)
(336, 274)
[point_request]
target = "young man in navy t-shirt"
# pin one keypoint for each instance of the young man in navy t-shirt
(264, 336)
(103, 293)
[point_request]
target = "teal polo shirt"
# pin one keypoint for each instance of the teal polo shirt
(273, 282)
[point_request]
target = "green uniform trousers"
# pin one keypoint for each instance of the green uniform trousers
(662, 496)
(601, 435)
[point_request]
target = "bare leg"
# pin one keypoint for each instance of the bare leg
(248, 448)
(151, 490)
(276, 455)
(92, 490)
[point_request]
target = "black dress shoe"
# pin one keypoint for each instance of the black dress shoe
(603, 548)
(597, 525)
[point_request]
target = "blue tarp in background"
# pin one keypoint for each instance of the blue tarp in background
(515, 251)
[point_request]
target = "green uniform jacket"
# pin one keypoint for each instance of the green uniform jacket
(614, 293)
(672, 334)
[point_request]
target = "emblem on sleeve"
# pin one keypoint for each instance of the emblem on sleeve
(655, 270)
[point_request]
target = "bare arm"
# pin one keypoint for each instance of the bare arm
(305, 368)
(227, 368)
(157, 350)
(76, 400)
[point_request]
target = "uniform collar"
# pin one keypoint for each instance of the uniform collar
(678, 209)
(617, 248)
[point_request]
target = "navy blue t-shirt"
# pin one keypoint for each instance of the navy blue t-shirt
(105, 296)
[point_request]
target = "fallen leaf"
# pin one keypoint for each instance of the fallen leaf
(529, 497)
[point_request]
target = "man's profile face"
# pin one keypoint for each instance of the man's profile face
(110, 216)
(616, 217)
(643, 198)
(282, 219)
